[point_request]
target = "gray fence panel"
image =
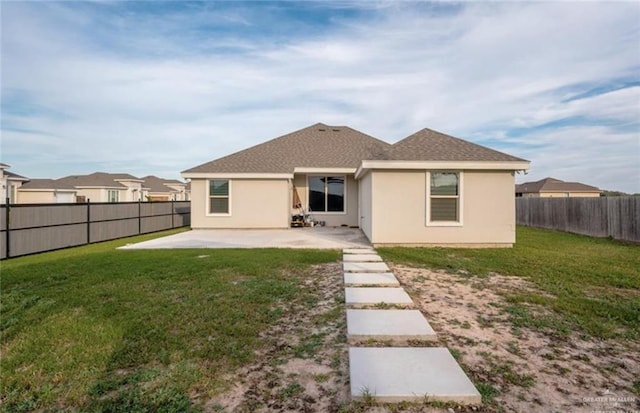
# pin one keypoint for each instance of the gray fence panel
(29, 216)
(153, 208)
(617, 217)
(3, 218)
(104, 231)
(29, 241)
(153, 224)
(101, 212)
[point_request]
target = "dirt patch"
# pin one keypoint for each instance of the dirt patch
(303, 367)
(304, 364)
(518, 368)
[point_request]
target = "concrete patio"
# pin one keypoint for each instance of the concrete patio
(315, 238)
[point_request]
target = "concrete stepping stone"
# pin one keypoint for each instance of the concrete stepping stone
(365, 267)
(359, 251)
(409, 374)
(395, 325)
(378, 279)
(361, 258)
(362, 296)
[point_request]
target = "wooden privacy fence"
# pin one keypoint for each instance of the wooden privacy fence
(32, 228)
(616, 217)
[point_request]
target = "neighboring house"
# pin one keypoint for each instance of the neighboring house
(427, 189)
(165, 189)
(46, 191)
(551, 188)
(9, 184)
(106, 187)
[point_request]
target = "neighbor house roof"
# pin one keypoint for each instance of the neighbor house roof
(98, 179)
(323, 146)
(52, 184)
(15, 176)
(554, 185)
(155, 184)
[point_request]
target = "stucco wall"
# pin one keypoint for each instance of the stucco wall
(334, 219)
(366, 207)
(399, 210)
(36, 197)
(254, 203)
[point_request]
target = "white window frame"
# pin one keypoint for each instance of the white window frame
(460, 198)
(326, 194)
(117, 195)
(208, 198)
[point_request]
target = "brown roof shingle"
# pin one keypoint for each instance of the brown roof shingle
(323, 146)
(554, 185)
(46, 184)
(96, 179)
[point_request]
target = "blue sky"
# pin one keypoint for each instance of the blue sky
(159, 87)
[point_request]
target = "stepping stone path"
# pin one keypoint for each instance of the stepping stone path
(377, 279)
(394, 374)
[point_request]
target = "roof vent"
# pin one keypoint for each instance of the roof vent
(336, 130)
(322, 130)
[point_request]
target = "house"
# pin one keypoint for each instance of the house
(427, 189)
(9, 184)
(165, 189)
(554, 188)
(106, 187)
(46, 191)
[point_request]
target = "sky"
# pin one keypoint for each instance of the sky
(160, 87)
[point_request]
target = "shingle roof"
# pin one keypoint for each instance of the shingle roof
(317, 146)
(430, 145)
(155, 184)
(96, 179)
(46, 184)
(15, 176)
(554, 185)
(323, 146)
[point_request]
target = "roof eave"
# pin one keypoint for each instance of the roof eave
(235, 175)
(443, 165)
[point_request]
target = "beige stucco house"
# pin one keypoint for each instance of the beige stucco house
(46, 191)
(427, 189)
(555, 188)
(106, 187)
(9, 184)
(165, 189)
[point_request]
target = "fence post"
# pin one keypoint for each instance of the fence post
(88, 221)
(139, 216)
(7, 221)
(173, 210)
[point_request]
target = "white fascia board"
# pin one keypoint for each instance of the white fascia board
(115, 188)
(46, 190)
(447, 165)
(222, 175)
(324, 170)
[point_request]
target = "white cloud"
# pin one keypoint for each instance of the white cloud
(161, 92)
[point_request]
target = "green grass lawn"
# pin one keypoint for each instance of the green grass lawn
(590, 285)
(96, 329)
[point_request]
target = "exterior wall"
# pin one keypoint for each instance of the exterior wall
(569, 194)
(45, 197)
(133, 193)
(254, 203)
(93, 194)
(366, 206)
(561, 195)
(334, 219)
(399, 210)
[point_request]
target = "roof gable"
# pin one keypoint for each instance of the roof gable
(430, 145)
(97, 179)
(317, 146)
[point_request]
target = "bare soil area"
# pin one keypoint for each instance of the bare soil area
(304, 366)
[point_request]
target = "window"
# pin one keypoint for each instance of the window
(112, 195)
(219, 196)
(326, 193)
(444, 197)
